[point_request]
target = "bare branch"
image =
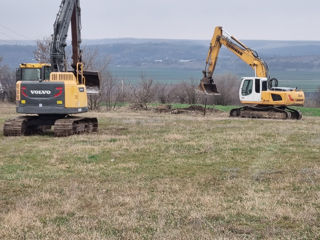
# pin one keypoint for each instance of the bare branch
(42, 52)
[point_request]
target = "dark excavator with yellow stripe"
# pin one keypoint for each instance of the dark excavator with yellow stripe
(260, 94)
(49, 92)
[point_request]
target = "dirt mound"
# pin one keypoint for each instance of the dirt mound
(187, 110)
(195, 108)
(164, 108)
(138, 107)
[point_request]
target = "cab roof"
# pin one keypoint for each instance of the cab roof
(34, 65)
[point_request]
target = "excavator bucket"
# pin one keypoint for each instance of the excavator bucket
(207, 86)
(93, 80)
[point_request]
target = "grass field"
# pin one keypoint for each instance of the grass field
(147, 175)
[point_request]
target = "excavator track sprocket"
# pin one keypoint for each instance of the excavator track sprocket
(268, 112)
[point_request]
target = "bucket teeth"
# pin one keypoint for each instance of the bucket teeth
(207, 86)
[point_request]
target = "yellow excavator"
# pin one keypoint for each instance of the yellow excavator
(261, 94)
(49, 92)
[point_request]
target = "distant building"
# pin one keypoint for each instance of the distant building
(185, 60)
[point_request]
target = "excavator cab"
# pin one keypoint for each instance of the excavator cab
(207, 85)
(33, 72)
(41, 72)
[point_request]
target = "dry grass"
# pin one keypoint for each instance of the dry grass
(159, 176)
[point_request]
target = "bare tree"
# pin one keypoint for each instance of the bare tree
(89, 58)
(7, 83)
(108, 90)
(228, 86)
(143, 92)
(184, 92)
(121, 92)
(317, 98)
(162, 93)
(42, 51)
(176, 93)
(190, 90)
(94, 62)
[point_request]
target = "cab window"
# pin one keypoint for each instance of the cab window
(30, 74)
(247, 87)
(47, 71)
(257, 85)
(264, 86)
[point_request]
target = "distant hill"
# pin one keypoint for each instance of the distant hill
(191, 54)
(13, 55)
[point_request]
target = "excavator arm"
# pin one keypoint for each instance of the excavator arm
(70, 13)
(246, 54)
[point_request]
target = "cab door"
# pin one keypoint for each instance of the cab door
(250, 90)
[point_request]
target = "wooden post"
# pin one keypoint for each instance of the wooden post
(205, 107)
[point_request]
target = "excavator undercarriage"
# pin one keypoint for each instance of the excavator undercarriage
(63, 125)
(268, 112)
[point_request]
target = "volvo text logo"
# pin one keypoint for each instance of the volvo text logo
(40, 92)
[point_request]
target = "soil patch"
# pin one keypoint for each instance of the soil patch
(187, 110)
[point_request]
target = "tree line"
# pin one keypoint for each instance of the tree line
(115, 91)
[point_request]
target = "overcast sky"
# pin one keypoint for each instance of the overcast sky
(174, 19)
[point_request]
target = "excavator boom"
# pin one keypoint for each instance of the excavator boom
(246, 54)
(68, 9)
(70, 14)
